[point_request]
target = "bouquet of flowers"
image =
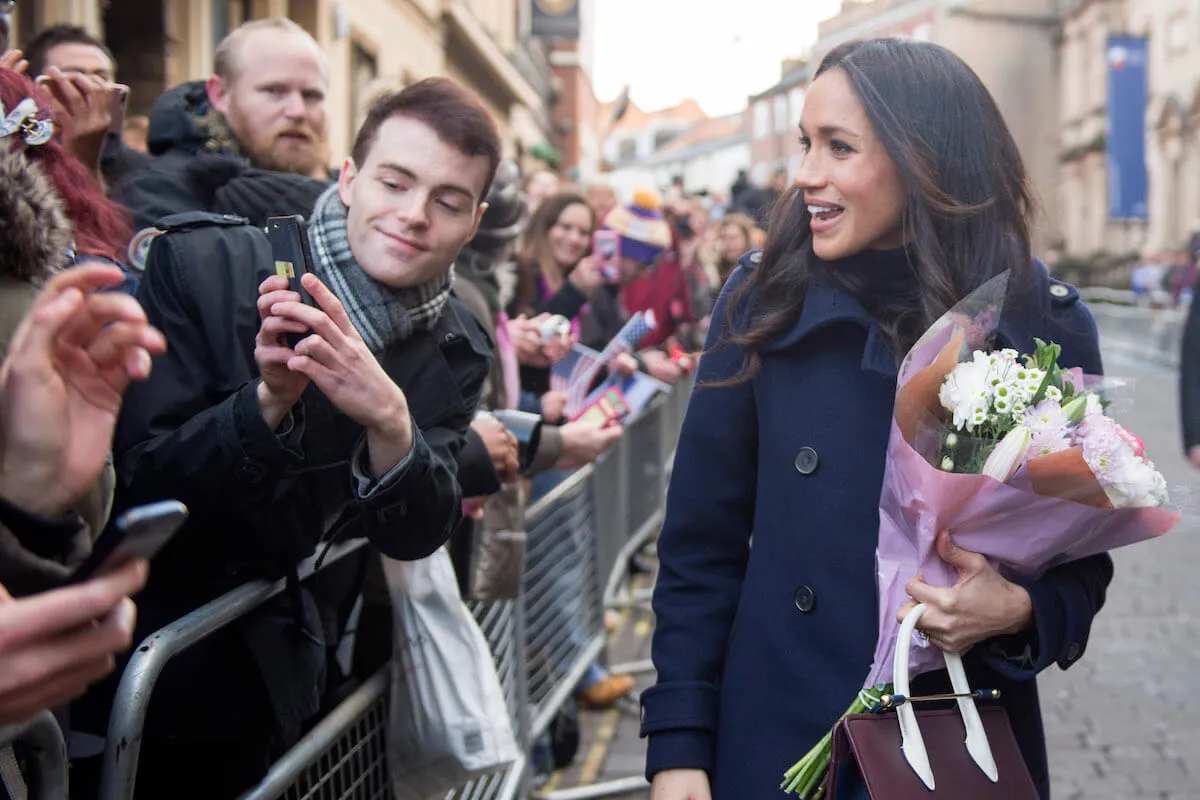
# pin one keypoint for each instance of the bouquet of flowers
(1013, 454)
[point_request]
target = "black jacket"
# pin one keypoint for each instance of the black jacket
(199, 167)
(262, 501)
(1189, 378)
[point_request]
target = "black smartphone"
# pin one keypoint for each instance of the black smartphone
(289, 248)
(138, 533)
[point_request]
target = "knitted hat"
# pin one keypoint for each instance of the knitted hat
(643, 230)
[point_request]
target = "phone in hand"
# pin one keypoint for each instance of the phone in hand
(607, 245)
(293, 257)
(138, 533)
(118, 98)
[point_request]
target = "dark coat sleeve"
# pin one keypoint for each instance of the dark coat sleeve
(1189, 378)
(567, 302)
(1067, 598)
(703, 551)
(416, 507)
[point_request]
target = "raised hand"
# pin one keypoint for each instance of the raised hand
(335, 358)
(280, 387)
(70, 362)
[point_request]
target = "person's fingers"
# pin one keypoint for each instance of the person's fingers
(314, 319)
(39, 331)
(274, 283)
(966, 562)
(64, 90)
(318, 349)
(23, 702)
(49, 655)
(138, 364)
(35, 617)
(87, 278)
(112, 343)
(274, 327)
(312, 369)
(329, 303)
(266, 354)
(101, 309)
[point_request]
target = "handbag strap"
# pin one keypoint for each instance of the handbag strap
(912, 742)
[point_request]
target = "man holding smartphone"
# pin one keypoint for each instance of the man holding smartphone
(78, 73)
(277, 450)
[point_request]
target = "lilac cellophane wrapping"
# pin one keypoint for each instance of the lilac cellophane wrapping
(1021, 533)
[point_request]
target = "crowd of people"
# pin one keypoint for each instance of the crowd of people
(152, 352)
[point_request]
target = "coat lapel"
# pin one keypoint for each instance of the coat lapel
(826, 305)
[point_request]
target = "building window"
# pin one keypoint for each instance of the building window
(627, 150)
(762, 119)
(781, 113)
(797, 104)
(1177, 34)
(364, 70)
(662, 137)
(759, 174)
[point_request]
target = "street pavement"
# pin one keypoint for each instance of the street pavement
(1124, 721)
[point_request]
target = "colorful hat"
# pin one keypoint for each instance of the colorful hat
(643, 230)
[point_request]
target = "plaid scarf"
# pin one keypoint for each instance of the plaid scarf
(382, 315)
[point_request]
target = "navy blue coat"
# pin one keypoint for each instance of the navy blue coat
(766, 598)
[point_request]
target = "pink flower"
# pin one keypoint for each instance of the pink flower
(1050, 428)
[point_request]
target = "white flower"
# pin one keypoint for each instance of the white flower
(1008, 454)
(947, 464)
(965, 390)
(1049, 428)
(1054, 393)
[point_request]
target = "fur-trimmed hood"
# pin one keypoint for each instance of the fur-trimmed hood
(35, 232)
(182, 118)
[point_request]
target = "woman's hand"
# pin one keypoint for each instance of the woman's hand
(588, 274)
(680, 784)
(979, 606)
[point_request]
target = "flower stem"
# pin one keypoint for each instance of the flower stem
(807, 776)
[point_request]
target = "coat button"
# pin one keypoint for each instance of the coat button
(756, 257)
(805, 599)
(1059, 291)
(806, 461)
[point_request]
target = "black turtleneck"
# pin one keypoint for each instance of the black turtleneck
(884, 282)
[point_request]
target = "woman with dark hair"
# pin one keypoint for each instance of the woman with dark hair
(558, 239)
(911, 194)
(555, 274)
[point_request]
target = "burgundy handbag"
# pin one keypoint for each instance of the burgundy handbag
(962, 752)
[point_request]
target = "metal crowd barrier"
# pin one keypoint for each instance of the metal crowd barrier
(580, 538)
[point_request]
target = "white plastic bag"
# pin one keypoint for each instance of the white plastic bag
(449, 722)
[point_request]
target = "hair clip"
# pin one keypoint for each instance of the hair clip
(24, 120)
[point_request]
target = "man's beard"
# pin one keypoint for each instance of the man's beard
(300, 159)
(269, 152)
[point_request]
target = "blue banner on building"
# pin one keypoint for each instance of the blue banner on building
(1127, 180)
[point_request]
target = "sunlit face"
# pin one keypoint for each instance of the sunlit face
(82, 59)
(275, 104)
(568, 237)
(413, 203)
(851, 185)
(734, 242)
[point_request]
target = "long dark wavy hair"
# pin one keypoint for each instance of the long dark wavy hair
(966, 214)
(535, 255)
